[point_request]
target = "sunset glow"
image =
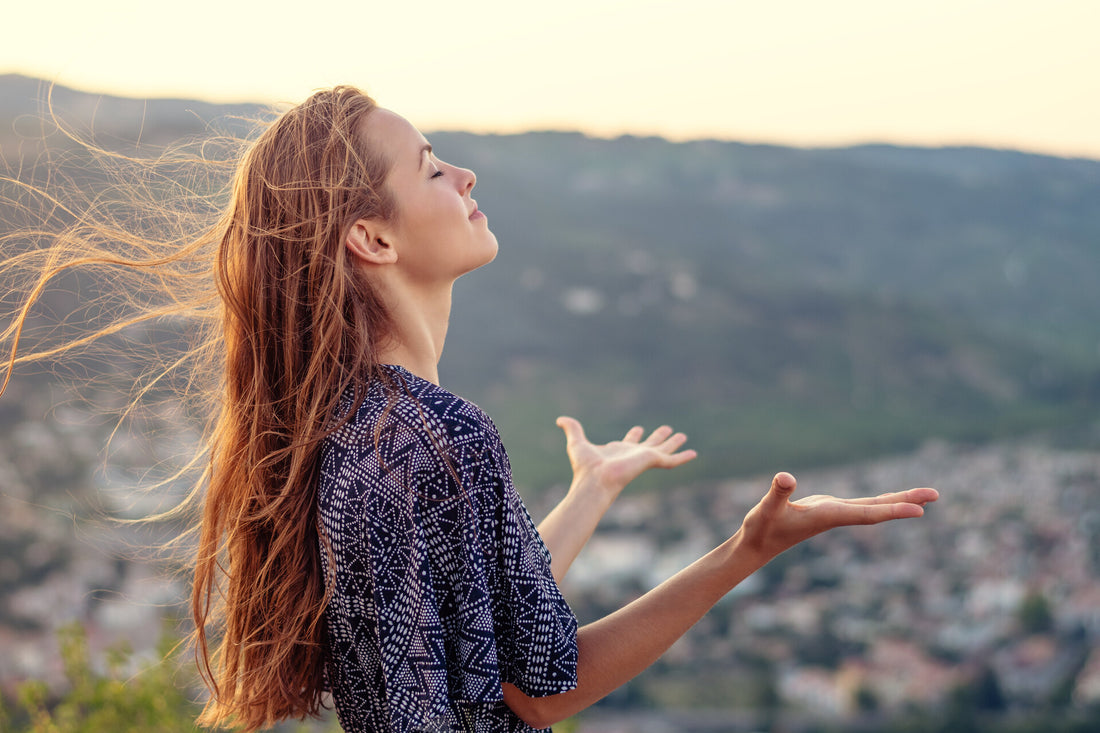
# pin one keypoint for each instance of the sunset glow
(999, 73)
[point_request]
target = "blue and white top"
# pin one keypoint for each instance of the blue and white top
(441, 585)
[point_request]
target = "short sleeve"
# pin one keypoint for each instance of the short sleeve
(534, 630)
(442, 588)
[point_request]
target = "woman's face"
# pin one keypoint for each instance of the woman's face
(438, 232)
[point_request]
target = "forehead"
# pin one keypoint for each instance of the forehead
(394, 137)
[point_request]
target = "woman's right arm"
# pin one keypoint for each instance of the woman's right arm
(615, 649)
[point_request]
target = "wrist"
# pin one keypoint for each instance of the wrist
(589, 488)
(742, 556)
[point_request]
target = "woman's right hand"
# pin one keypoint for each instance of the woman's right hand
(776, 523)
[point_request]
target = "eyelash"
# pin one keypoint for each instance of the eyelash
(437, 174)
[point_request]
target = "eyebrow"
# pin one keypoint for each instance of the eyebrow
(425, 149)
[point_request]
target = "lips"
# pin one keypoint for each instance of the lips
(475, 214)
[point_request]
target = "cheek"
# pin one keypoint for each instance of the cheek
(417, 221)
(432, 220)
(444, 220)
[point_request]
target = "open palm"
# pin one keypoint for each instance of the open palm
(776, 523)
(613, 465)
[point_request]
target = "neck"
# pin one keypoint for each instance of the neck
(420, 318)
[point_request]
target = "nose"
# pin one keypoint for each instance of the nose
(469, 179)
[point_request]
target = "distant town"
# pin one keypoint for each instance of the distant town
(994, 594)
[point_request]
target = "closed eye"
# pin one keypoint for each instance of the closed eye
(437, 174)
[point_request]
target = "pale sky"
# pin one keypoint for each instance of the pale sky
(1021, 74)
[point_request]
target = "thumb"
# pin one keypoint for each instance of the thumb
(783, 485)
(574, 431)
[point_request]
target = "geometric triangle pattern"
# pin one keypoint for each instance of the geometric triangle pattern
(441, 587)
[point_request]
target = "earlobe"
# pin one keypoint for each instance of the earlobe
(368, 243)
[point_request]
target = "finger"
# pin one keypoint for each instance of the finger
(876, 513)
(574, 431)
(922, 496)
(659, 435)
(634, 434)
(677, 459)
(783, 485)
(673, 443)
(912, 496)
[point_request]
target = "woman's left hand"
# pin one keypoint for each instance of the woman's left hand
(611, 466)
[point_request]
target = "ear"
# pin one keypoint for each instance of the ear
(368, 241)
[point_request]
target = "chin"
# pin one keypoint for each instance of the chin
(491, 252)
(484, 256)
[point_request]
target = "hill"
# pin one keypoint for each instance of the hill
(785, 307)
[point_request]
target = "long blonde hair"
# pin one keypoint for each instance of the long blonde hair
(283, 325)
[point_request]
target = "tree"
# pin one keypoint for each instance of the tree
(153, 699)
(157, 698)
(1034, 614)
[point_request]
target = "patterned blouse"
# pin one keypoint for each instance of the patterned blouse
(441, 585)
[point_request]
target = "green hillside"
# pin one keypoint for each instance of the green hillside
(785, 307)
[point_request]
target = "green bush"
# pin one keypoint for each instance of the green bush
(155, 698)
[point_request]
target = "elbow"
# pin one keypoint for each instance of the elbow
(537, 712)
(538, 719)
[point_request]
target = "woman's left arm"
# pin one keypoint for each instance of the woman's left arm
(600, 472)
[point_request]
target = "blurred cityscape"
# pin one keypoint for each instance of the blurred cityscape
(994, 594)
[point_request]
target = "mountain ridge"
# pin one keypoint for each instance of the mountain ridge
(862, 299)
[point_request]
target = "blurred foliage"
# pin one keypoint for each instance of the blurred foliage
(115, 693)
(114, 698)
(1035, 614)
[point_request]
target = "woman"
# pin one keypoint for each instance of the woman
(360, 531)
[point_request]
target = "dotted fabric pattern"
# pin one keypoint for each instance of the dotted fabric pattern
(441, 585)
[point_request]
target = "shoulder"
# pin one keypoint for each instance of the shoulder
(397, 399)
(400, 399)
(407, 424)
(453, 419)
